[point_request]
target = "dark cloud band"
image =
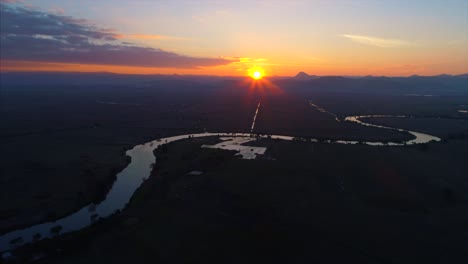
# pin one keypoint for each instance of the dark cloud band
(30, 35)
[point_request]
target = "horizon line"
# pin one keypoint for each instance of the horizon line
(230, 76)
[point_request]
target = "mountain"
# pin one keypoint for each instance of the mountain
(302, 76)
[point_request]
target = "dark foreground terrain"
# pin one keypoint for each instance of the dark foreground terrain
(299, 203)
(63, 141)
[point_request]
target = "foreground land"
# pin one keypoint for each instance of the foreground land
(64, 142)
(300, 202)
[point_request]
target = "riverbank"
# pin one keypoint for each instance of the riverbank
(88, 181)
(300, 199)
(129, 179)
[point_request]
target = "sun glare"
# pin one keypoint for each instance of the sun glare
(256, 73)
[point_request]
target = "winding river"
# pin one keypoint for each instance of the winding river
(142, 160)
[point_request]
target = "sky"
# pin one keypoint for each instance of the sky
(334, 37)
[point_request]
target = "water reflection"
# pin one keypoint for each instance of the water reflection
(142, 159)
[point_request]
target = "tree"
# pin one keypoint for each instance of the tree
(56, 230)
(16, 242)
(37, 237)
(164, 148)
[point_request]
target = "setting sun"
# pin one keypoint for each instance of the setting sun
(256, 73)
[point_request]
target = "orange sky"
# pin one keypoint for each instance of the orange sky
(391, 38)
(239, 69)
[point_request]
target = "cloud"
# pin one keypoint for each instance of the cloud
(10, 1)
(379, 42)
(57, 10)
(31, 35)
(250, 60)
(146, 36)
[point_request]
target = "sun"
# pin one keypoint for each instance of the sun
(256, 73)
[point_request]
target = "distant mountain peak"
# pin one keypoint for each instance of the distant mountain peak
(304, 76)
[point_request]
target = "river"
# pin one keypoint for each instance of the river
(139, 169)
